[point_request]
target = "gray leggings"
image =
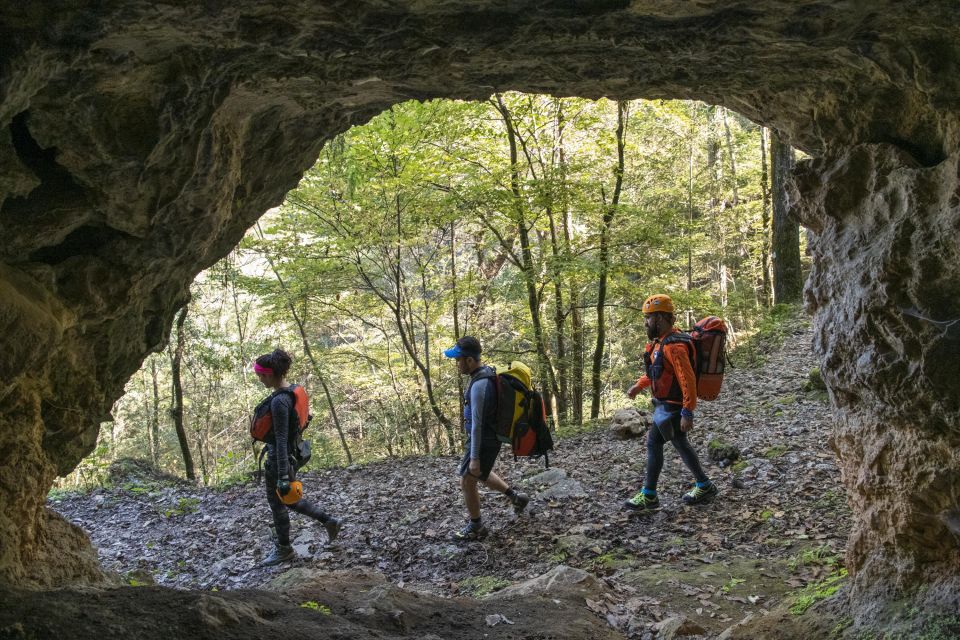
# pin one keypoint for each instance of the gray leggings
(655, 444)
(281, 513)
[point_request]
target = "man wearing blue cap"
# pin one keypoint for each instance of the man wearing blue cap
(482, 447)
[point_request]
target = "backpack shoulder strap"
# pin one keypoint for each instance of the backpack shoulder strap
(684, 338)
(677, 336)
(489, 374)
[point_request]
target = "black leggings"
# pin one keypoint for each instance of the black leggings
(655, 444)
(281, 513)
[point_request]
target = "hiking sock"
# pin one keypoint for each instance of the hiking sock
(704, 485)
(475, 522)
(649, 492)
(510, 493)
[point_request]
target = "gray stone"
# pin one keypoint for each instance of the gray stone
(568, 488)
(549, 477)
(560, 581)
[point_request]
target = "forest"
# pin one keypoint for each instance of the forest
(537, 224)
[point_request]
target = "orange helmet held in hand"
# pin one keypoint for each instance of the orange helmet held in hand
(294, 495)
(659, 303)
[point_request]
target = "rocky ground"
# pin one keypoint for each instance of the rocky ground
(773, 538)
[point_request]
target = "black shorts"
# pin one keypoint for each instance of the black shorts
(489, 450)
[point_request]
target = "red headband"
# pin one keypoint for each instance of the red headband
(261, 369)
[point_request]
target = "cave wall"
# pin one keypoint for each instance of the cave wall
(139, 140)
(884, 292)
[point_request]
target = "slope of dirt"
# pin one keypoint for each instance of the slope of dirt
(779, 523)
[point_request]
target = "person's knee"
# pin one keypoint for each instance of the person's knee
(468, 482)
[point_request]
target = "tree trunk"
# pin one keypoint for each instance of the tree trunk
(765, 226)
(785, 254)
(526, 254)
(560, 316)
(576, 315)
(732, 155)
(151, 446)
(155, 416)
(608, 214)
(176, 411)
(456, 311)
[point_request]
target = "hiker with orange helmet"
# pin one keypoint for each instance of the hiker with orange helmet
(283, 490)
(669, 374)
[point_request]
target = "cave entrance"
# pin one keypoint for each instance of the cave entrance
(154, 148)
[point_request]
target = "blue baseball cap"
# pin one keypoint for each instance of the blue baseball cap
(467, 346)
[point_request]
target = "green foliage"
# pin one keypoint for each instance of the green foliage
(815, 592)
(940, 628)
(184, 507)
(731, 584)
(775, 451)
(814, 381)
(418, 227)
(319, 608)
(480, 586)
(822, 556)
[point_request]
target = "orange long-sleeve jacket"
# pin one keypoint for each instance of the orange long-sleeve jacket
(678, 382)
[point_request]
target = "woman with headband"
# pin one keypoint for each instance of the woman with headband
(281, 466)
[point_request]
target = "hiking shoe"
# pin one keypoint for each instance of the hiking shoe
(333, 526)
(471, 532)
(281, 553)
(519, 502)
(643, 502)
(697, 495)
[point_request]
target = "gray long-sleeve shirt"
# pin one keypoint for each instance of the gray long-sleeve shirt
(479, 405)
(280, 408)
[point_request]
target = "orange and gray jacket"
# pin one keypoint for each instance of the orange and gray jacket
(669, 370)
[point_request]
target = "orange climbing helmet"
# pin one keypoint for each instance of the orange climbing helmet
(295, 494)
(658, 303)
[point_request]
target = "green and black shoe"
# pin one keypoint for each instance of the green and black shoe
(643, 502)
(699, 495)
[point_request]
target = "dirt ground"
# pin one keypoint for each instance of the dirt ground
(770, 540)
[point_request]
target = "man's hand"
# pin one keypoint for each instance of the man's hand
(474, 468)
(633, 391)
(686, 424)
(283, 485)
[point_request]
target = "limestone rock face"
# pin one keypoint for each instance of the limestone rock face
(884, 290)
(138, 140)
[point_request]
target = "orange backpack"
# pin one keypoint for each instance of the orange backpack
(708, 357)
(709, 342)
(261, 424)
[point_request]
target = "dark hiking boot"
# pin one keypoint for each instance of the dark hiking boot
(643, 502)
(519, 502)
(333, 526)
(470, 533)
(281, 553)
(698, 495)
